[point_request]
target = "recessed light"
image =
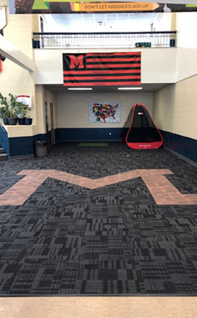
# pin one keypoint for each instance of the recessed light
(80, 88)
(129, 88)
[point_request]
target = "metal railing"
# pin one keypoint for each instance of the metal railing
(104, 40)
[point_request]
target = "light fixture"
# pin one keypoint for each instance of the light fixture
(129, 88)
(80, 88)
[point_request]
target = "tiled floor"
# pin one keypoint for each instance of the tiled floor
(98, 221)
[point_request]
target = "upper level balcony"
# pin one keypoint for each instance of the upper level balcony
(159, 39)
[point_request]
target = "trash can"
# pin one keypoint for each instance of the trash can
(41, 148)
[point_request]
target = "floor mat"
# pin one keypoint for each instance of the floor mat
(67, 239)
(93, 144)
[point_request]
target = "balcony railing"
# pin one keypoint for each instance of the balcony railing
(104, 40)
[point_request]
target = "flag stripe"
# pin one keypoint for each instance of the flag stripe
(128, 54)
(101, 60)
(103, 72)
(101, 84)
(101, 80)
(76, 78)
(108, 66)
(102, 75)
(106, 69)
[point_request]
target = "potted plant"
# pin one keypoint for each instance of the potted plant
(5, 115)
(23, 114)
(14, 108)
(28, 120)
(10, 109)
(4, 109)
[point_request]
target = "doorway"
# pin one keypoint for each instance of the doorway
(52, 124)
(47, 123)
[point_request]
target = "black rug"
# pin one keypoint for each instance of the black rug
(115, 240)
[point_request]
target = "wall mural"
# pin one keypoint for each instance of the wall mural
(104, 112)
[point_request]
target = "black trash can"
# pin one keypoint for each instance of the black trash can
(41, 148)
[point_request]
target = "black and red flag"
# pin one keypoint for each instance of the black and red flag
(101, 69)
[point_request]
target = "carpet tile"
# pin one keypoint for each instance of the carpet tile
(98, 221)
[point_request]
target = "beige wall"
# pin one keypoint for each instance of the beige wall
(19, 29)
(73, 107)
(40, 127)
(13, 78)
(158, 65)
(175, 108)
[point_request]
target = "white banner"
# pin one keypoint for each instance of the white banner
(25, 99)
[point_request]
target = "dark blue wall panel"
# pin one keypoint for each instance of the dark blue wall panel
(87, 134)
(4, 141)
(40, 137)
(23, 146)
(185, 146)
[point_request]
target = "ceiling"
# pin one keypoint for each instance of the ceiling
(146, 88)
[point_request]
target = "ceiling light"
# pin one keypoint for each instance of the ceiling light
(129, 88)
(80, 88)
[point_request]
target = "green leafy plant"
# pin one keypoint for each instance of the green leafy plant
(11, 108)
(14, 106)
(5, 106)
(23, 110)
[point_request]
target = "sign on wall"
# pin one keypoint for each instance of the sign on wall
(64, 6)
(104, 112)
(102, 69)
(25, 99)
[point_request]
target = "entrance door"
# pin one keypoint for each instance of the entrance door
(52, 125)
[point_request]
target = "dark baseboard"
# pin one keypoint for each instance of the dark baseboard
(24, 146)
(181, 157)
(87, 134)
(184, 146)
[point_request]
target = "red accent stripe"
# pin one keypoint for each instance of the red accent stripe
(23, 95)
(114, 59)
(102, 84)
(101, 72)
(148, 145)
(66, 78)
(113, 54)
(0, 66)
(112, 65)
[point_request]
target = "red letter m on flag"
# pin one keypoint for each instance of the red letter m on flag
(76, 61)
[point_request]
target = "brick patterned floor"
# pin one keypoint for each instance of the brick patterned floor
(163, 192)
